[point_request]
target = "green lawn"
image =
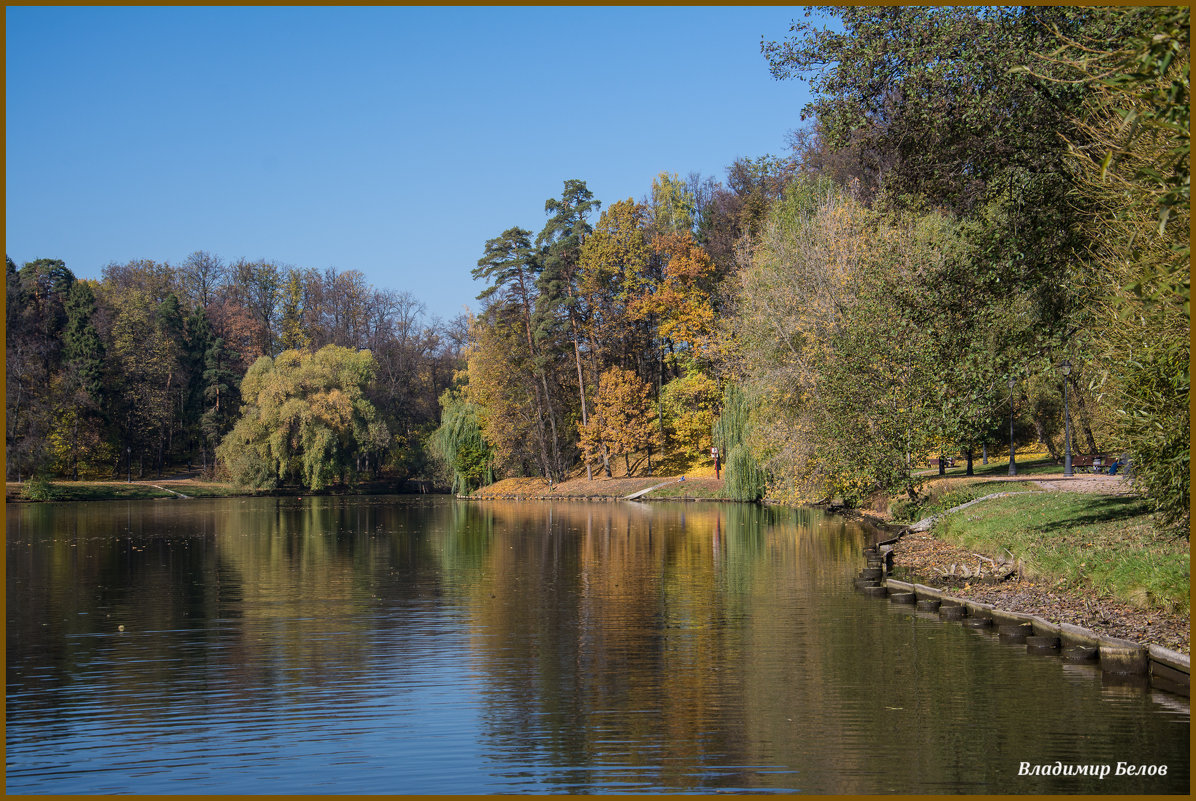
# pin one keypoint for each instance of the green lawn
(1030, 465)
(1078, 541)
(940, 499)
(120, 490)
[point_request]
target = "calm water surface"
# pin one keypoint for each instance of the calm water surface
(416, 645)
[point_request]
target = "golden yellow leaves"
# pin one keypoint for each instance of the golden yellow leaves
(623, 419)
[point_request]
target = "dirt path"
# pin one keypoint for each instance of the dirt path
(1080, 482)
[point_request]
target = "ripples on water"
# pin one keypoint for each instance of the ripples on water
(399, 645)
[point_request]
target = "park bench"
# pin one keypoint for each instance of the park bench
(1096, 461)
(949, 462)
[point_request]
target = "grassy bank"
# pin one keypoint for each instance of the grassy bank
(694, 488)
(938, 497)
(1080, 541)
(118, 490)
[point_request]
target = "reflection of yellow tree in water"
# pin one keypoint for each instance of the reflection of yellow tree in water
(617, 632)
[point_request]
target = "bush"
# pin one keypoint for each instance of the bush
(38, 488)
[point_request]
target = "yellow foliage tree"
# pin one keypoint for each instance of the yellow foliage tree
(624, 420)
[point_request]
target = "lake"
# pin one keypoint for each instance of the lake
(422, 644)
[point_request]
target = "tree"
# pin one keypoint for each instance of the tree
(81, 428)
(505, 387)
(201, 275)
(561, 241)
(292, 336)
(144, 371)
(673, 205)
(305, 419)
(732, 434)
(511, 267)
(682, 301)
(459, 445)
(623, 420)
(688, 405)
(35, 319)
(930, 91)
(1130, 161)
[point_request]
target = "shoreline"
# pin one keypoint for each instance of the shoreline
(918, 556)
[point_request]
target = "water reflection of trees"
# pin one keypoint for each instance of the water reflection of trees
(612, 636)
(275, 598)
(658, 645)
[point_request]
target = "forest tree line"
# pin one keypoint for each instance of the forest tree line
(977, 198)
(144, 370)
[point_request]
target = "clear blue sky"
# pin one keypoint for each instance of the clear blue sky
(395, 141)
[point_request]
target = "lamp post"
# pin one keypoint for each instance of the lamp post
(1065, 368)
(129, 463)
(1012, 462)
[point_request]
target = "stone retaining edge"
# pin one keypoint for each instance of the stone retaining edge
(1176, 668)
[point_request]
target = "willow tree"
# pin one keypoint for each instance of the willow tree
(305, 420)
(459, 446)
(745, 480)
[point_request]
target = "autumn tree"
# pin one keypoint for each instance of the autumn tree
(201, 275)
(35, 316)
(689, 406)
(681, 302)
(292, 336)
(305, 420)
(503, 387)
(624, 421)
(145, 375)
(511, 268)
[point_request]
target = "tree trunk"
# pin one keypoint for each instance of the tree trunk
(581, 384)
(75, 445)
(556, 469)
(1084, 418)
(1043, 439)
(604, 451)
(968, 453)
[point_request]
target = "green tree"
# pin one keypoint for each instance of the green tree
(81, 425)
(558, 303)
(731, 434)
(1132, 178)
(673, 205)
(35, 317)
(305, 420)
(511, 267)
(459, 445)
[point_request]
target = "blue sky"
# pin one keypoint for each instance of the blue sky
(395, 141)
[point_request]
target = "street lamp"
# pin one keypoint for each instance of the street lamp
(1065, 368)
(1012, 463)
